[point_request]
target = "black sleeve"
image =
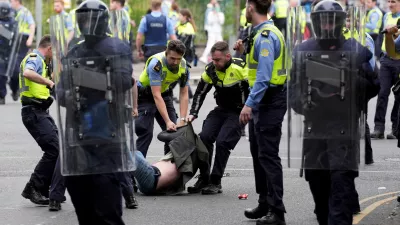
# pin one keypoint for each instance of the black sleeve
(201, 92)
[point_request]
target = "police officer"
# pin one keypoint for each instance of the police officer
(154, 27)
(388, 76)
(229, 77)
(373, 20)
(96, 144)
(121, 17)
(280, 10)
(266, 106)
(7, 41)
(69, 29)
(330, 114)
(26, 28)
(35, 83)
(162, 71)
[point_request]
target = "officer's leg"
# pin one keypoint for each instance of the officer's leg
(127, 190)
(172, 116)
(385, 78)
(80, 189)
(268, 132)
(43, 129)
(3, 88)
(320, 186)
(395, 110)
(211, 127)
(57, 188)
(369, 159)
(97, 199)
(144, 125)
(343, 159)
(341, 202)
(260, 177)
(227, 139)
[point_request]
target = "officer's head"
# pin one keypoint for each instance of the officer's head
(92, 18)
(370, 4)
(117, 4)
(220, 55)
(156, 4)
(45, 47)
(58, 6)
(256, 8)
(328, 19)
(174, 53)
(5, 10)
(394, 5)
(15, 3)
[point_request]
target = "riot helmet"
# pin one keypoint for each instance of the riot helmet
(328, 19)
(5, 10)
(92, 17)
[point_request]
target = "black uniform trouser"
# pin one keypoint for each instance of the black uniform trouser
(388, 76)
(43, 129)
(144, 124)
(149, 51)
(334, 195)
(126, 184)
(222, 127)
(280, 23)
(330, 172)
(265, 131)
(368, 145)
(97, 198)
(57, 188)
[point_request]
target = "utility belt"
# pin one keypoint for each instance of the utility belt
(145, 93)
(271, 91)
(36, 102)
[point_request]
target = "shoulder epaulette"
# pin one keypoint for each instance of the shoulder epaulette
(239, 62)
(158, 66)
(265, 33)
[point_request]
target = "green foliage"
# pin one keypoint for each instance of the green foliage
(139, 8)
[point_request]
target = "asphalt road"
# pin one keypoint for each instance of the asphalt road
(377, 185)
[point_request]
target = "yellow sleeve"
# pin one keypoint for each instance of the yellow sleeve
(206, 78)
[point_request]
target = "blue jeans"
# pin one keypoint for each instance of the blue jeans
(145, 174)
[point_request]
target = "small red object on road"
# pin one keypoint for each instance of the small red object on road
(243, 196)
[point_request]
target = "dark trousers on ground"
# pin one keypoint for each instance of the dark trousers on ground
(43, 129)
(388, 76)
(97, 198)
(222, 127)
(57, 188)
(334, 195)
(144, 124)
(265, 131)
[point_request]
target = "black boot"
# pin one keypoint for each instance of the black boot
(34, 195)
(256, 213)
(390, 136)
(131, 202)
(15, 96)
(212, 189)
(272, 219)
(2, 101)
(378, 135)
(200, 184)
(54, 206)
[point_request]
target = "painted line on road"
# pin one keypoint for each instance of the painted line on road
(371, 208)
(378, 196)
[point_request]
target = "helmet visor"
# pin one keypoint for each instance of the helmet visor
(328, 25)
